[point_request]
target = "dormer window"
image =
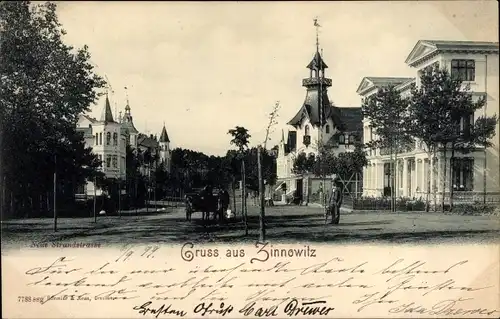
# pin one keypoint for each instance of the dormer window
(306, 129)
(327, 129)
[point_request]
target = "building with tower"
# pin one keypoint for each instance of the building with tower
(109, 138)
(317, 123)
(165, 151)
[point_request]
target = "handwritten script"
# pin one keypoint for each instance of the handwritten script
(157, 282)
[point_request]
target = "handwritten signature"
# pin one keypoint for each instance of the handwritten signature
(265, 289)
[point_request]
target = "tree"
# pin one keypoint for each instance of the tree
(388, 113)
(240, 140)
(431, 119)
(454, 129)
(45, 85)
(303, 164)
(272, 122)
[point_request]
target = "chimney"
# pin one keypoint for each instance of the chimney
(151, 136)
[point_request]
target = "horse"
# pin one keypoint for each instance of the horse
(206, 204)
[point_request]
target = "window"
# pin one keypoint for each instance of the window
(307, 130)
(100, 159)
(351, 139)
(464, 70)
(96, 139)
(108, 160)
(100, 138)
(341, 139)
(327, 129)
(466, 124)
(108, 138)
(463, 174)
(115, 139)
(115, 161)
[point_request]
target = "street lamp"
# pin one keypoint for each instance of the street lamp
(60, 141)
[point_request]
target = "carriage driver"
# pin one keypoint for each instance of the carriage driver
(335, 199)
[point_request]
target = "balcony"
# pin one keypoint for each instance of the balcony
(316, 81)
(306, 140)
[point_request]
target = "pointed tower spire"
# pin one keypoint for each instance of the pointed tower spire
(107, 115)
(127, 106)
(282, 135)
(164, 136)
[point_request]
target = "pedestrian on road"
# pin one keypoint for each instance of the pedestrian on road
(335, 200)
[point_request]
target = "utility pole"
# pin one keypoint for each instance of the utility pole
(95, 199)
(119, 196)
(55, 192)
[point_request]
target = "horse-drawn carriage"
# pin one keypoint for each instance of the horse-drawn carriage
(211, 203)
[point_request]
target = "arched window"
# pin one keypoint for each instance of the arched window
(306, 130)
(96, 138)
(115, 139)
(100, 138)
(342, 139)
(351, 139)
(108, 138)
(327, 129)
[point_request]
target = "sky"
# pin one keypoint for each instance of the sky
(202, 68)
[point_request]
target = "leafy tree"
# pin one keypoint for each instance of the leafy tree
(431, 118)
(45, 85)
(388, 113)
(454, 101)
(303, 163)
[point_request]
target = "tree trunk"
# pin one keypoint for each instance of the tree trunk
(444, 179)
(434, 172)
(428, 195)
(395, 178)
(262, 226)
(234, 194)
(243, 196)
(391, 179)
(452, 164)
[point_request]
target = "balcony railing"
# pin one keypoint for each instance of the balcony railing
(316, 81)
(409, 147)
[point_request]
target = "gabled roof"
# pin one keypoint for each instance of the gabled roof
(146, 141)
(107, 115)
(371, 82)
(425, 49)
(90, 119)
(129, 127)
(311, 110)
(164, 136)
(351, 118)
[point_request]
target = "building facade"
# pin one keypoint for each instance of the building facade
(317, 123)
(476, 174)
(109, 139)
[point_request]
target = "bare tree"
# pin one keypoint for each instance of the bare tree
(272, 122)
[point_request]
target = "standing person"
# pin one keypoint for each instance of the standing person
(335, 200)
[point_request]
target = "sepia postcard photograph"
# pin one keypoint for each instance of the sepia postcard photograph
(326, 159)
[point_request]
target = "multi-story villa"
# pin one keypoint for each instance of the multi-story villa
(475, 173)
(108, 139)
(317, 122)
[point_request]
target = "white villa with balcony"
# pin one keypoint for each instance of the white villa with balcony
(474, 174)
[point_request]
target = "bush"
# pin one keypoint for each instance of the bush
(384, 203)
(473, 209)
